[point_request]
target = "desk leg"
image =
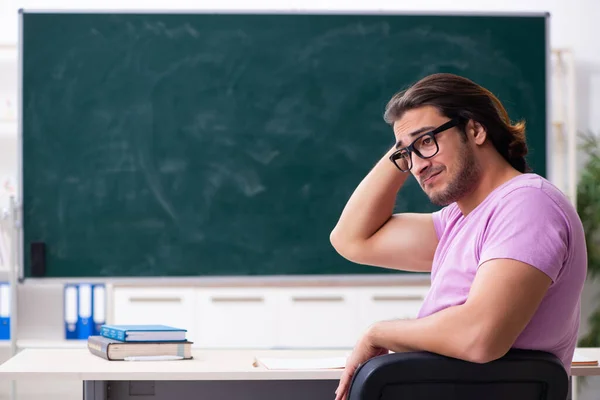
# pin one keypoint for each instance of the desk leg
(95, 390)
(573, 388)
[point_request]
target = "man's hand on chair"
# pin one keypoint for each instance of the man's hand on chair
(363, 351)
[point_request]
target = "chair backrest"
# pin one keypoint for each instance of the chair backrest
(519, 375)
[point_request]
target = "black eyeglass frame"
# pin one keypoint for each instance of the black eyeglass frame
(411, 149)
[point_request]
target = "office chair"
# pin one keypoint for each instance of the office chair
(519, 375)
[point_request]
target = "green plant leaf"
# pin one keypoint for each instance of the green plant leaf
(588, 208)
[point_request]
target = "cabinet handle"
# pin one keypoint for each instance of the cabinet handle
(155, 299)
(328, 299)
(414, 297)
(237, 299)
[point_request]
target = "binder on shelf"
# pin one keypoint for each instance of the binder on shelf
(85, 323)
(85, 310)
(98, 307)
(71, 311)
(4, 311)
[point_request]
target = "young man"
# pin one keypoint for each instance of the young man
(506, 253)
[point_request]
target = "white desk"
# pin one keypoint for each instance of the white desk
(80, 364)
(212, 374)
(591, 352)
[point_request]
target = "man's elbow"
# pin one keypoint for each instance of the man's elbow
(485, 348)
(484, 355)
(335, 240)
(343, 246)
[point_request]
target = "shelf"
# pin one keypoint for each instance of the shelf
(51, 344)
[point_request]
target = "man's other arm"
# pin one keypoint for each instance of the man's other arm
(503, 298)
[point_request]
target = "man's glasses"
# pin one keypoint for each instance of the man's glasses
(425, 146)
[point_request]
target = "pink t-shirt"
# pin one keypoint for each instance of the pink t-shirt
(526, 219)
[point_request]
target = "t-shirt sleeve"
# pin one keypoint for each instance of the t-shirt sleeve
(440, 219)
(527, 226)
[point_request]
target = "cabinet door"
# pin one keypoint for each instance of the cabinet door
(380, 304)
(317, 317)
(236, 318)
(164, 306)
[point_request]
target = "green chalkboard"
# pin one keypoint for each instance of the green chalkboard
(227, 144)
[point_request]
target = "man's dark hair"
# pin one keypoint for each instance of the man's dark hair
(455, 96)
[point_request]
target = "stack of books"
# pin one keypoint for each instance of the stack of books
(140, 343)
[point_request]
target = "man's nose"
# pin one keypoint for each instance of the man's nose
(419, 165)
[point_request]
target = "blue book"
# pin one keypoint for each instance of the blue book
(143, 333)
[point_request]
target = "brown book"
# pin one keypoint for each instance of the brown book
(115, 350)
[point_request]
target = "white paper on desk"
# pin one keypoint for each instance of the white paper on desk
(579, 358)
(303, 363)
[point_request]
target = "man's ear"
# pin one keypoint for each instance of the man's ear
(477, 132)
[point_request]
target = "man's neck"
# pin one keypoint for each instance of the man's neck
(492, 176)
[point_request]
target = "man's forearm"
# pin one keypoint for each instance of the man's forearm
(451, 332)
(371, 204)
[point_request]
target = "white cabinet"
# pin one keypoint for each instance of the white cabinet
(267, 317)
(165, 306)
(387, 303)
(236, 317)
(317, 317)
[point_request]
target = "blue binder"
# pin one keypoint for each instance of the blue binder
(85, 310)
(71, 311)
(4, 311)
(85, 323)
(98, 307)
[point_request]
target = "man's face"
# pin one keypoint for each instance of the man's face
(454, 171)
